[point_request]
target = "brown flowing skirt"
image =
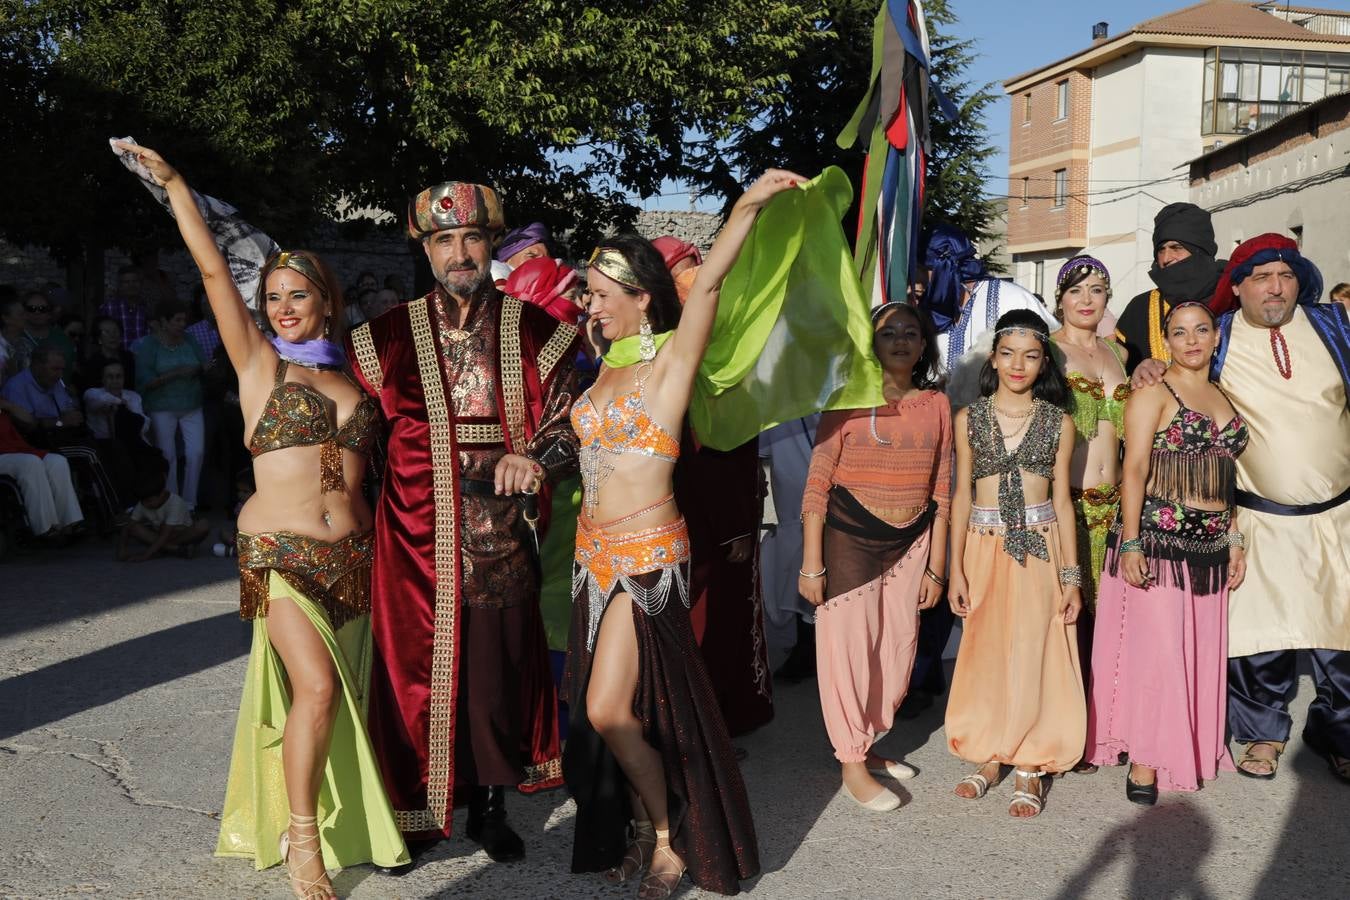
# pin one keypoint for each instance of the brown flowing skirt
(710, 822)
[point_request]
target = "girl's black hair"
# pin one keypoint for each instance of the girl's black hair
(650, 268)
(928, 369)
(1050, 384)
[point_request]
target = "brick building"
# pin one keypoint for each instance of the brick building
(1100, 140)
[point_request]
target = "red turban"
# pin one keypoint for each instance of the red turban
(672, 250)
(1265, 248)
(544, 282)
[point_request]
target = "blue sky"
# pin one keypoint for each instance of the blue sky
(1015, 36)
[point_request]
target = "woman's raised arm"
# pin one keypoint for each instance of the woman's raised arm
(238, 331)
(700, 309)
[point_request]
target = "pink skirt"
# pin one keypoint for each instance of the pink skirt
(1160, 680)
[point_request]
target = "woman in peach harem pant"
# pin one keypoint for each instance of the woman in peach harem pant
(874, 529)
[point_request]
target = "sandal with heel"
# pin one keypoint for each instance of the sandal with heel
(308, 846)
(660, 885)
(637, 857)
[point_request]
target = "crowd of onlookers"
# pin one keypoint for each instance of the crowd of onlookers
(125, 417)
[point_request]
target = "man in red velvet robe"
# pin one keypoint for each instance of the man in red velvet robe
(476, 388)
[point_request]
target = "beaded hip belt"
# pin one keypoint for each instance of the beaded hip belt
(988, 516)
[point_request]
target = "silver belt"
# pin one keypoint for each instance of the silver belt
(987, 516)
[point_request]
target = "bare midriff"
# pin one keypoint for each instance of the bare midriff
(1035, 489)
(636, 485)
(288, 497)
(1096, 461)
(895, 515)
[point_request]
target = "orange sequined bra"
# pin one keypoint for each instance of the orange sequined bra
(296, 415)
(623, 427)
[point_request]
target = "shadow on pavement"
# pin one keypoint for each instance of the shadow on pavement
(1164, 845)
(53, 587)
(104, 676)
(1310, 858)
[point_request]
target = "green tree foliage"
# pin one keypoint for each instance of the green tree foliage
(797, 129)
(284, 107)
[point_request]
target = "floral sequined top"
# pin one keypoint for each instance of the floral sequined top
(1034, 455)
(1193, 459)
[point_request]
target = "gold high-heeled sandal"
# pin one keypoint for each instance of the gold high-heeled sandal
(308, 845)
(660, 885)
(638, 855)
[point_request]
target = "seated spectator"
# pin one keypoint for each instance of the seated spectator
(13, 356)
(44, 479)
(115, 415)
(162, 521)
(55, 422)
(38, 328)
(107, 347)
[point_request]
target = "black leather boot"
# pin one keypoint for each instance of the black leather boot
(488, 827)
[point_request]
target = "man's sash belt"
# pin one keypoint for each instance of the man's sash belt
(1260, 504)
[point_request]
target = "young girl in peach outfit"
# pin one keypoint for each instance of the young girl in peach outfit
(1017, 694)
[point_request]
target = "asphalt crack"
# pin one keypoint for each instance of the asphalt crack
(109, 760)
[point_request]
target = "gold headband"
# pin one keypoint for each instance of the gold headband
(613, 264)
(296, 262)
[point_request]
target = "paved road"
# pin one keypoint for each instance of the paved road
(119, 686)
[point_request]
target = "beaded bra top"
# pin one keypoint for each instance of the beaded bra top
(296, 415)
(1034, 455)
(1092, 405)
(1193, 458)
(623, 426)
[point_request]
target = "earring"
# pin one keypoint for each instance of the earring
(327, 326)
(646, 342)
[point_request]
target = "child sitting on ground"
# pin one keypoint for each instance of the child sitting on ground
(162, 521)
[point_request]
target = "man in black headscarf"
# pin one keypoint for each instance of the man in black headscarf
(1184, 268)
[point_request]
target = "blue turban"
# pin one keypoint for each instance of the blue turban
(1257, 251)
(951, 259)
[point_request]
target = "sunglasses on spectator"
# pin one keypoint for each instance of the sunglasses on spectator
(38, 309)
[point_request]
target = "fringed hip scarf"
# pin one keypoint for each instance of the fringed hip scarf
(334, 575)
(1096, 511)
(648, 564)
(859, 547)
(1180, 539)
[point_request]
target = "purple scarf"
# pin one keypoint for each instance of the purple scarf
(319, 353)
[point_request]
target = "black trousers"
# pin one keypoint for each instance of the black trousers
(1259, 688)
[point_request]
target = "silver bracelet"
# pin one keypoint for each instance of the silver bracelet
(806, 574)
(1236, 539)
(1071, 576)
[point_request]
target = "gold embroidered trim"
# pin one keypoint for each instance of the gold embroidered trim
(513, 377)
(543, 773)
(367, 360)
(553, 351)
(1157, 344)
(441, 704)
(483, 433)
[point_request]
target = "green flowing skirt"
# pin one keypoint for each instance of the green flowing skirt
(555, 559)
(356, 821)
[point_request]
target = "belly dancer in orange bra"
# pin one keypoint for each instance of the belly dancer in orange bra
(303, 767)
(648, 757)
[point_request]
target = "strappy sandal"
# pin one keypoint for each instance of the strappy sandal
(638, 855)
(1249, 757)
(660, 885)
(307, 846)
(1027, 798)
(978, 781)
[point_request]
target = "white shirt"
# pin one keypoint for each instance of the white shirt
(965, 346)
(100, 405)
